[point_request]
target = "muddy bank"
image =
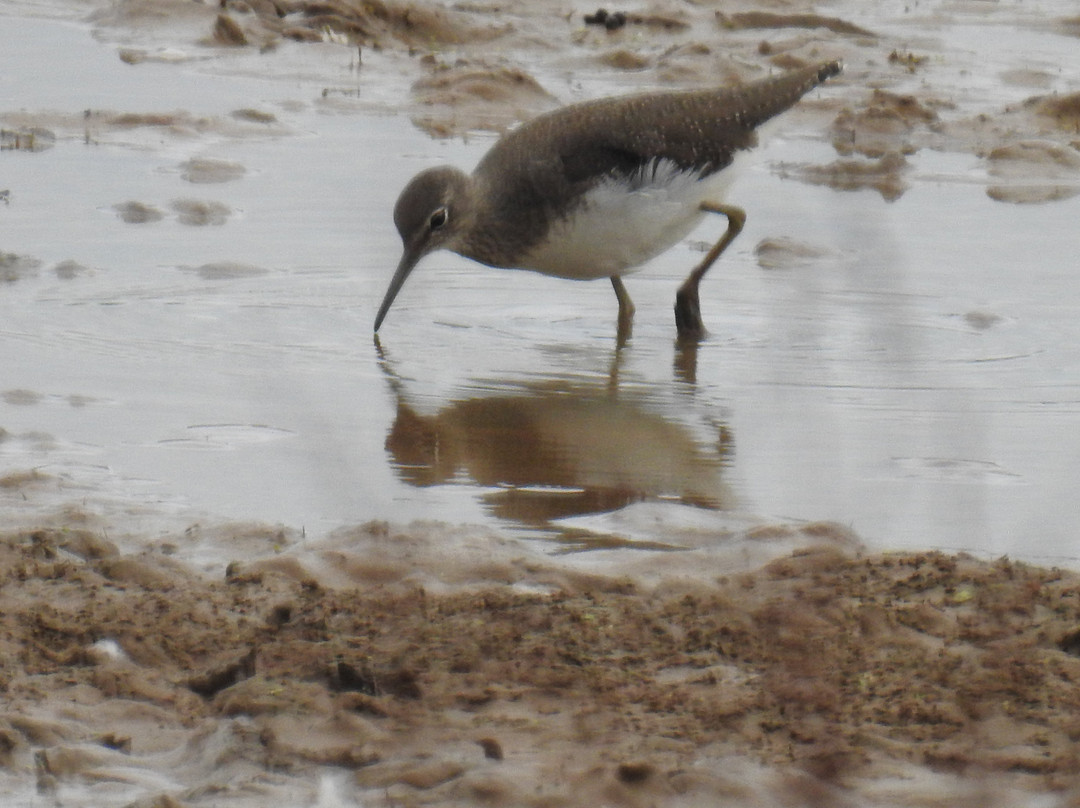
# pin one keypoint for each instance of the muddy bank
(916, 674)
(466, 67)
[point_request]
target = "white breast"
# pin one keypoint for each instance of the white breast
(621, 224)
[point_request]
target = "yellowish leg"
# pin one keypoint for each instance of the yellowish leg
(687, 306)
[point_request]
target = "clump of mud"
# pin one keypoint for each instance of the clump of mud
(1030, 172)
(14, 267)
(785, 253)
(818, 673)
(135, 212)
(471, 66)
(373, 23)
(203, 170)
(200, 212)
(884, 125)
(465, 96)
(884, 175)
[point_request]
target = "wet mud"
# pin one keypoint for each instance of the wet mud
(475, 67)
(818, 677)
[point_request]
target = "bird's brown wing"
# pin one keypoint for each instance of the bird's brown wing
(698, 130)
(542, 170)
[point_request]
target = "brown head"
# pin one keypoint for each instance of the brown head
(431, 213)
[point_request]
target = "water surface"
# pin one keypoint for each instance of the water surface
(914, 378)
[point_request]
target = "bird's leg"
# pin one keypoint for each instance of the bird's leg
(626, 310)
(687, 307)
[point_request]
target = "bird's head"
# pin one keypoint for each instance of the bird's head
(428, 216)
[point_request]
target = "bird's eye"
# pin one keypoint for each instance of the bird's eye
(438, 219)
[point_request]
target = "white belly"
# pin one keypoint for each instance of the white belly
(616, 230)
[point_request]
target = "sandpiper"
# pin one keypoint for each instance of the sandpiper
(596, 189)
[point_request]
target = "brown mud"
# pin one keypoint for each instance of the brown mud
(833, 671)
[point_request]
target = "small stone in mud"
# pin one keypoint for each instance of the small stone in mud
(138, 213)
(280, 615)
(611, 21)
(199, 213)
(615, 21)
(492, 748)
(634, 773)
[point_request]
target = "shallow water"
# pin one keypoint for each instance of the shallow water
(915, 378)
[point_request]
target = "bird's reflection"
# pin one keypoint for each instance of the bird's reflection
(559, 448)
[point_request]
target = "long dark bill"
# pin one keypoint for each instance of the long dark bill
(405, 266)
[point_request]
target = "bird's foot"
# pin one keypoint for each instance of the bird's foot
(688, 315)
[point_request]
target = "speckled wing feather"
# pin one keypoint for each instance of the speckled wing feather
(697, 129)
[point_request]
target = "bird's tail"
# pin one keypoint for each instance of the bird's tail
(761, 100)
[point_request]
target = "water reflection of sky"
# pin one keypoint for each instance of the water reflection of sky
(918, 380)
